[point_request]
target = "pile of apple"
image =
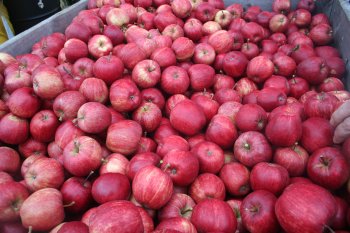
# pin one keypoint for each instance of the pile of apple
(176, 116)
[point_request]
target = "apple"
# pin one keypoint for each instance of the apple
(281, 6)
(252, 31)
(278, 23)
(302, 52)
(23, 102)
(163, 19)
(153, 95)
(10, 160)
(93, 117)
(314, 70)
(43, 125)
(193, 29)
(177, 223)
(171, 142)
(235, 63)
(179, 205)
(204, 54)
(210, 156)
(293, 158)
(258, 212)
(317, 133)
(78, 30)
(114, 163)
(67, 104)
(263, 18)
(185, 125)
(148, 115)
(236, 9)
(221, 131)
(336, 66)
(223, 81)
(146, 73)
(259, 69)
(111, 186)
(13, 227)
(293, 207)
(252, 148)
(108, 68)
(341, 95)
(174, 80)
(75, 49)
(236, 178)
(298, 87)
(5, 177)
(339, 221)
(141, 160)
(123, 137)
(124, 95)
(223, 18)
(82, 150)
(158, 190)
(182, 166)
(212, 215)
(13, 129)
(205, 12)
(13, 194)
(207, 186)
(284, 66)
(51, 45)
(328, 167)
(300, 17)
(145, 20)
(66, 132)
(321, 34)
(47, 82)
(99, 46)
(183, 48)
(326, 52)
(49, 210)
(284, 129)
(173, 31)
(307, 5)
(250, 50)
(76, 194)
(94, 90)
(116, 216)
(321, 105)
(44, 173)
(16, 79)
(251, 117)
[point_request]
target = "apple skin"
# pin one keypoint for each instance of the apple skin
(116, 217)
(13, 129)
(213, 215)
(114, 163)
(13, 194)
(331, 84)
(111, 186)
(65, 133)
(182, 167)
(183, 48)
(77, 190)
(278, 178)
(207, 186)
(252, 148)
(75, 49)
(258, 212)
(99, 46)
(158, 190)
(314, 70)
(178, 224)
(251, 117)
(321, 105)
(298, 87)
(293, 206)
(210, 156)
(259, 69)
(5, 177)
(82, 150)
(10, 161)
(93, 117)
(317, 133)
(43, 126)
(123, 137)
(185, 125)
(73, 227)
(23, 102)
(179, 205)
(12, 227)
(44, 173)
(94, 90)
(124, 95)
(235, 63)
(108, 68)
(44, 87)
(236, 178)
(269, 98)
(49, 210)
(221, 131)
(293, 158)
(148, 115)
(328, 167)
(146, 73)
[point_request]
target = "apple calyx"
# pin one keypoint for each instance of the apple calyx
(246, 146)
(76, 147)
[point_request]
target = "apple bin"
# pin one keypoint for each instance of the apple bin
(149, 116)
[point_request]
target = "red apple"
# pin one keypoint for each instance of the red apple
(221, 131)
(66, 132)
(99, 46)
(193, 29)
(314, 70)
(140, 161)
(183, 48)
(336, 66)
(49, 210)
(78, 30)
(67, 104)
(321, 105)
(339, 221)
(236, 178)
(251, 148)
(43, 126)
(317, 133)
(223, 18)
(114, 163)
(94, 90)
(251, 117)
(179, 224)
(223, 81)
(235, 63)
(123, 137)
(108, 68)
(146, 73)
(298, 87)
(302, 52)
(250, 50)
(148, 115)
(182, 166)
(179, 205)
(269, 98)
(124, 95)
(82, 150)
(293, 158)
(153, 95)
(93, 117)
(158, 190)
(207, 186)
(171, 142)
(293, 208)
(13, 194)
(326, 52)
(164, 56)
(75, 49)
(212, 215)
(328, 167)
(10, 160)
(174, 80)
(13, 130)
(47, 82)
(258, 212)
(205, 12)
(16, 79)
(210, 156)
(259, 69)
(321, 34)
(204, 54)
(278, 23)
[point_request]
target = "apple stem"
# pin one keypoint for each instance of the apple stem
(30, 229)
(109, 57)
(70, 204)
(166, 167)
(67, 71)
(87, 178)
(329, 228)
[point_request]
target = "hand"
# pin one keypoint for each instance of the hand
(340, 120)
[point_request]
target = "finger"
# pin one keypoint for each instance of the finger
(342, 131)
(340, 114)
